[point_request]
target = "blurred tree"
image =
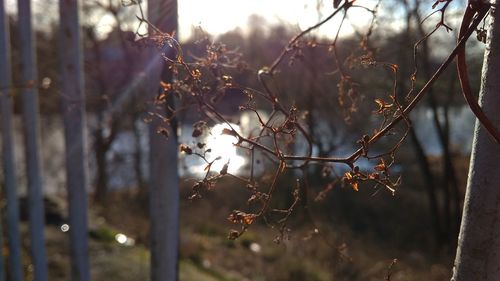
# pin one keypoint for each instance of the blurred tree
(405, 40)
(452, 197)
(74, 115)
(31, 138)
(164, 178)
(114, 89)
(9, 172)
(5, 111)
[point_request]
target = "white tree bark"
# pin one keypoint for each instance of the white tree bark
(31, 139)
(478, 253)
(13, 236)
(73, 99)
(164, 178)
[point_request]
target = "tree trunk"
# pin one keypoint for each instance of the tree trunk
(13, 235)
(31, 139)
(478, 253)
(430, 188)
(138, 156)
(423, 162)
(164, 181)
(101, 149)
(449, 180)
(74, 134)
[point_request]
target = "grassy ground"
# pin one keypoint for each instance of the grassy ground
(212, 257)
(351, 236)
(335, 253)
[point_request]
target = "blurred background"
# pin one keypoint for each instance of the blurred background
(340, 234)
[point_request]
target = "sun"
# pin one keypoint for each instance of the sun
(222, 147)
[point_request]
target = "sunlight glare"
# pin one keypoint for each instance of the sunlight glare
(222, 146)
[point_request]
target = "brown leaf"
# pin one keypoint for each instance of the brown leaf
(196, 132)
(355, 186)
(163, 131)
(196, 74)
(233, 234)
(160, 98)
(351, 179)
(166, 86)
(230, 132)
(241, 217)
(186, 149)
(381, 167)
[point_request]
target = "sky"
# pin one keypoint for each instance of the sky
(219, 16)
